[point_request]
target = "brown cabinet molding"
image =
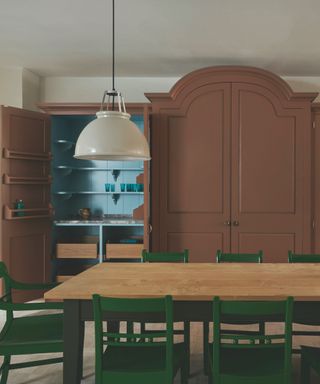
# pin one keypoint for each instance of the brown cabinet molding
(231, 74)
(84, 108)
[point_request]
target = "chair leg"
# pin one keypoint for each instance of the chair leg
(305, 371)
(81, 350)
(130, 328)
(5, 369)
(205, 346)
(184, 373)
(142, 329)
(186, 336)
(262, 330)
(113, 326)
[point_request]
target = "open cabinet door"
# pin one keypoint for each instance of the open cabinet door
(25, 170)
(146, 182)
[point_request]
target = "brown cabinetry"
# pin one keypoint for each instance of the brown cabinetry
(25, 170)
(316, 175)
(231, 165)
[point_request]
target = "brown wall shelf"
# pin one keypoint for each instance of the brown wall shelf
(7, 179)
(27, 214)
(17, 155)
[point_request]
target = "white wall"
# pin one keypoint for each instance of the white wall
(22, 88)
(86, 89)
(19, 88)
(11, 87)
(304, 84)
(30, 90)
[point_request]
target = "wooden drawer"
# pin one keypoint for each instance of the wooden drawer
(124, 251)
(62, 278)
(76, 250)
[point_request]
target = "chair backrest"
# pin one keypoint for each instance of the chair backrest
(239, 257)
(303, 258)
(7, 292)
(160, 306)
(252, 310)
(165, 257)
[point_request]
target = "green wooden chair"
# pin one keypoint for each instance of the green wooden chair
(171, 257)
(310, 358)
(239, 257)
(165, 257)
(232, 258)
(255, 359)
(144, 358)
(32, 334)
(303, 258)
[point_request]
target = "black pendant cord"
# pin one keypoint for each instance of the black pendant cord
(113, 67)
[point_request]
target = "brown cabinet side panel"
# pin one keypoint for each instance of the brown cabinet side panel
(25, 242)
(316, 178)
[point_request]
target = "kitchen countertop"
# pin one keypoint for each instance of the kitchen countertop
(102, 221)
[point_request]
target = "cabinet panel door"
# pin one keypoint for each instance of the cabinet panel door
(25, 242)
(26, 247)
(270, 159)
(190, 174)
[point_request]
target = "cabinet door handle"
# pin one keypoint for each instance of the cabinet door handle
(228, 223)
(236, 223)
(150, 228)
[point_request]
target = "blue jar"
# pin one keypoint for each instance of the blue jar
(19, 204)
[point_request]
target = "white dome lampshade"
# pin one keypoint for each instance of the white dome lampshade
(112, 136)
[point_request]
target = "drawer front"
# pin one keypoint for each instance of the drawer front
(124, 251)
(62, 278)
(78, 251)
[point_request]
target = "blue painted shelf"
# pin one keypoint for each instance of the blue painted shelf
(80, 183)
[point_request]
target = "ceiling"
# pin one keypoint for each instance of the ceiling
(161, 38)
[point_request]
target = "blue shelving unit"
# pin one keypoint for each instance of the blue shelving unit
(86, 179)
(81, 183)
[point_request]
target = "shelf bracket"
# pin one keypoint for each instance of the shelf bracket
(115, 198)
(115, 173)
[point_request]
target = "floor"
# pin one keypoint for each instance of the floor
(52, 374)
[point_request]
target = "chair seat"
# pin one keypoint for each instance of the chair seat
(250, 362)
(33, 334)
(141, 359)
(312, 355)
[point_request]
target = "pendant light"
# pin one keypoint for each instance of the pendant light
(112, 135)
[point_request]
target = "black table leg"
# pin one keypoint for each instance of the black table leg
(73, 342)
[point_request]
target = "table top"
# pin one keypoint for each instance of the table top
(194, 281)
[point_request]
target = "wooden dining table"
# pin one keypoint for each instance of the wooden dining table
(192, 287)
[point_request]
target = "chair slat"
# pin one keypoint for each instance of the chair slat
(165, 257)
(239, 257)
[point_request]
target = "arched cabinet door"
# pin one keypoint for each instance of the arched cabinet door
(270, 183)
(231, 165)
(190, 171)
